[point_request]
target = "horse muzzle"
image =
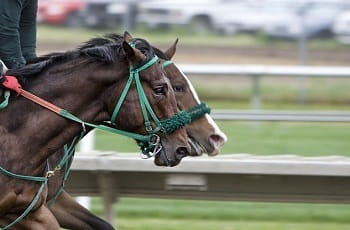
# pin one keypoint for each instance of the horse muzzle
(166, 158)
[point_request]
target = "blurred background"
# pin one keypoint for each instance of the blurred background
(240, 33)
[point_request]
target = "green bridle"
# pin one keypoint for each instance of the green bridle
(146, 108)
(149, 143)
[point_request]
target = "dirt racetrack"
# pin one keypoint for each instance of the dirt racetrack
(270, 55)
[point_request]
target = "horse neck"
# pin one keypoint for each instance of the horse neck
(33, 133)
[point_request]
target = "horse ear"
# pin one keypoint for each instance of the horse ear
(171, 51)
(134, 56)
(127, 36)
(128, 50)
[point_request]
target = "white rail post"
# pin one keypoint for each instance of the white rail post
(303, 55)
(108, 191)
(87, 144)
(256, 95)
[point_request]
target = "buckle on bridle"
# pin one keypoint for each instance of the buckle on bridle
(153, 148)
(51, 173)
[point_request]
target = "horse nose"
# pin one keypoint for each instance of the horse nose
(181, 152)
(217, 140)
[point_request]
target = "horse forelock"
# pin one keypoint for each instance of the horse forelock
(144, 47)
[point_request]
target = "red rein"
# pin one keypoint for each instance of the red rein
(11, 83)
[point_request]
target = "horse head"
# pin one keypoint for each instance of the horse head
(90, 81)
(204, 134)
(157, 99)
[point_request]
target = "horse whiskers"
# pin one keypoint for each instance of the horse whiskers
(165, 155)
(194, 144)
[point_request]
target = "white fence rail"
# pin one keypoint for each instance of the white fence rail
(256, 72)
(265, 70)
(228, 177)
(269, 115)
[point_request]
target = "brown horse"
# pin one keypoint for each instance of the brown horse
(205, 137)
(204, 134)
(87, 82)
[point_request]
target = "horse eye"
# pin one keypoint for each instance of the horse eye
(179, 88)
(160, 90)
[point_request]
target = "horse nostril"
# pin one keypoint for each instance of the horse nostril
(216, 140)
(182, 152)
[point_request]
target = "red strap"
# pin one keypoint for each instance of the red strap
(11, 82)
(40, 101)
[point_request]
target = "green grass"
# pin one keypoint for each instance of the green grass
(180, 224)
(276, 91)
(186, 209)
(307, 139)
(186, 35)
(144, 214)
(63, 34)
(264, 138)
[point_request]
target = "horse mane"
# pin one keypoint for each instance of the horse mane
(106, 49)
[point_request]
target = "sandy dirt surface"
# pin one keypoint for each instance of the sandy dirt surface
(269, 55)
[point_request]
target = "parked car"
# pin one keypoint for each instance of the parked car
(201, 14)
(60, 12)
(244, 17)
(313, 18)
(341, 28)
(104, 13)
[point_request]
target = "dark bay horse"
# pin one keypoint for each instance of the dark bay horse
(205, 137)
(204, 134)
(87, 82)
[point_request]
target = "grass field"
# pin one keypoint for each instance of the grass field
(59, 34)
(307, 139)
(155, 214)
(276, 91)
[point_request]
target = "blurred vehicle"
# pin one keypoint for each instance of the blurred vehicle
(201, 14)
(104, 13)
(313, 18)
(341, 28)
(244, 17)
(60, 12)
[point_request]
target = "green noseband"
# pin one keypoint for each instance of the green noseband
(179, 120)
